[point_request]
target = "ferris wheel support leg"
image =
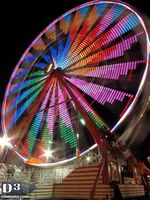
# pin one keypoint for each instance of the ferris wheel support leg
(89, 123)
(102, 144)
(105, 172)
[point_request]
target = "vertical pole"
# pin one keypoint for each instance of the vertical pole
(78, 148)
(78, 156)
(119, 170)
(105, 172)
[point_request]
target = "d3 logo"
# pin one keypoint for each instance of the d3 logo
(7, 188)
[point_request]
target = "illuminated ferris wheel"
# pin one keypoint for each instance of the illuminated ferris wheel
(76, 82)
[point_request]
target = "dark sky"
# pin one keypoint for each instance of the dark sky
(21, 22)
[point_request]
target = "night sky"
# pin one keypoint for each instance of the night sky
(21, 22)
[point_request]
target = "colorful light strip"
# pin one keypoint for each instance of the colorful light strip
(51, 116)
(34, 130)
(66, 129)
(113, 71)
(99, 93)
(114, 51)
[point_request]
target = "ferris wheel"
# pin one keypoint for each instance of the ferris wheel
(76, 82)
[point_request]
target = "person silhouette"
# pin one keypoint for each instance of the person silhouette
(117, 192)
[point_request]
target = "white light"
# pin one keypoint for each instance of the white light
(49, 67)
(4, 141)
(18, 170)
(82, 121)
(77, 136)
(48, 153)
(88, 159)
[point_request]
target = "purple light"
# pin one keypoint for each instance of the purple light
(63, 111)
(51, 116)
(99, 93)
(107, 71)
(114, 51)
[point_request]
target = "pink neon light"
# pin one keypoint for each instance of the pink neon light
(63, 111)
(114, 51)
(101, 26)
(107, 71)
(99, 93)
(51, 116)
(89, 109)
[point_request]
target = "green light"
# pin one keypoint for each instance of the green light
(67, 134)
(37, 73)
(46, 137)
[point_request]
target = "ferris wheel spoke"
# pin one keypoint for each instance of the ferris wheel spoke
(112, 34)
(47, 58)
(91, 19)
(109, 53)
(63, 64)
(19, 112)
(37, 101)
(89, 110)
(52, 112)
(24, 99)
(112, 71)
(61, 47)
(25, 95)
(32, 131)
(28, 83)
(72, 25)
(77, 22)
(90, 124)
(37, 73)
(66, 129)
(99, 93)
(65, 23)
(107, 19)
(85, 105)
(40, 65)
(24, 84)
(47, 138)
(23, 148)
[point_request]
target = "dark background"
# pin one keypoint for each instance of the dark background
(22, 21)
